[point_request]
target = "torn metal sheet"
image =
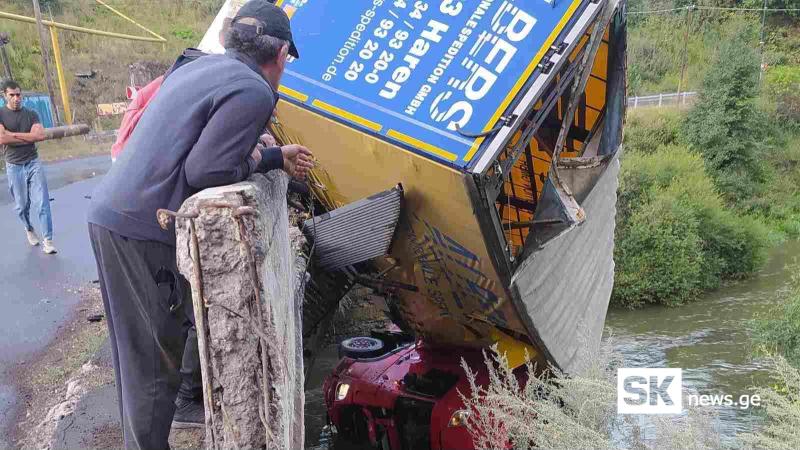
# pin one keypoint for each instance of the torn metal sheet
(563, 287)
(357, 232)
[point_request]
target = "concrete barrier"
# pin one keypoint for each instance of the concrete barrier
(247, 266)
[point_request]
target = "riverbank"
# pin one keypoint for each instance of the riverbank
(710, 338)
(678, 235)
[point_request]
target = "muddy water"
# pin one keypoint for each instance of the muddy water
(315, 413)
(709, 338)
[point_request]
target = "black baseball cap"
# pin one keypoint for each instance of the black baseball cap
(270, 20)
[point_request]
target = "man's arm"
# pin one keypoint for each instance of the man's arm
(7, 137)
(35, 135)
(221, 155)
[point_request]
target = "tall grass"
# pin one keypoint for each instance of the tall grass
(779, 330)
(181, 22)
(555, 411)
(541, 408)
(782, 411)
(657, 42)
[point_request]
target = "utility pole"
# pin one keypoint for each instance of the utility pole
(761, 41)
(45, 58)
(685, 49)
(4, 40)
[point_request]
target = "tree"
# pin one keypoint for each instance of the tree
(724, 126)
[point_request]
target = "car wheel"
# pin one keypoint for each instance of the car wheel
(361, 347)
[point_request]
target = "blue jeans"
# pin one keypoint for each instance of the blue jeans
(28, 187)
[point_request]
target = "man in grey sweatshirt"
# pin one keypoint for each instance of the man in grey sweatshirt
(200, 131)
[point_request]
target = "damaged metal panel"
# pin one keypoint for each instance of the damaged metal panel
(356, 232)
(581, 174)
(562, 289)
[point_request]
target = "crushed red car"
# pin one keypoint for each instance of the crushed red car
(392, 392)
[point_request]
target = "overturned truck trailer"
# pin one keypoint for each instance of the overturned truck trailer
(496, 126)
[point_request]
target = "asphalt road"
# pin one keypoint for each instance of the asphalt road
(62, 173)
(35, 296)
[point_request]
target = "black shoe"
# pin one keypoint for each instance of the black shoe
(189, 414)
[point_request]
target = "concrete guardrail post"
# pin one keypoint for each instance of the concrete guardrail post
(246, 267)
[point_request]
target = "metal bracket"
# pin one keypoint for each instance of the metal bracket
(504, 122)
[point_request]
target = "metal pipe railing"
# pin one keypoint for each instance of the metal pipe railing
(63, 26)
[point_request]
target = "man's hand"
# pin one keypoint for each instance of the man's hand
(296, 160)
(268, 140)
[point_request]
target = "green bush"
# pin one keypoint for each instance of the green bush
(647, 129)
(725, 126)
(782, 87)
(779, 200)
(675, 237)
(780, 330)
(658, 256)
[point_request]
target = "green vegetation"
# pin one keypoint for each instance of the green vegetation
(724, 126)
(553, 410)
(779, 332)
(782, 90)
(705, 191)
(782, 410)
(657, 43)
(675, 236)
(180, 22)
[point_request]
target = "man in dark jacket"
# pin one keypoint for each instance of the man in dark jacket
(200, 131)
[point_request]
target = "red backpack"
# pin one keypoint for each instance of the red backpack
(133, 113)
(136, 108)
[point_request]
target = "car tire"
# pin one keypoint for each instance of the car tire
(361, 347)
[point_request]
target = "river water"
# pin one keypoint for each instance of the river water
(709, 338)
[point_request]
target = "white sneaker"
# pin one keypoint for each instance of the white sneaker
(33, 239)
(48, 247)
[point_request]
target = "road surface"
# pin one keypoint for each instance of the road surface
(35, 296)
(62, 173)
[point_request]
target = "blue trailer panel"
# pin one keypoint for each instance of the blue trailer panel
(417, 71)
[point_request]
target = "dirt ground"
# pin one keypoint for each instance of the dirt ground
(42, 382)
(67, 392)
(71, 376)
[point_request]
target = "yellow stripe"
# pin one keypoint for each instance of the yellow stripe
(422, 145)
(292, 93)
(527, 73)
(347, 115)
(279, 3)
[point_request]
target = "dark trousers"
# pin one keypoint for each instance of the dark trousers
(149, 311)
(191, 377)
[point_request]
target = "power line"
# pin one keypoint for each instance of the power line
(712, 8)
(747, 9)
(657, 11)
